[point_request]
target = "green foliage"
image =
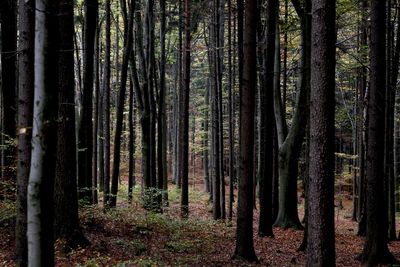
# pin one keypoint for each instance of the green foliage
(187, 246)
(7, 211)
(146, 262)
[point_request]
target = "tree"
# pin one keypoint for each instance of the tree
(375, 248)
(290, 141)
(85, 144)
(8, 16)
(66, 218)
(185, 113)
(25, 109)
(267, 121)
(321, 230)
(44, 136)
(215, 130)
(162, 182)
(120, 107)
(106, 102)
(231, 108)
(244, 230)
(132, 141)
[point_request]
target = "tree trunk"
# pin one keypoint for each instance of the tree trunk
(96, 115)
(266, 120)
(85, 135)
(106, 95)
(389, 128)
(40, 202)
(231, 108)
(394, 76)
(132, 141)
(8, 16)
(66, 219)
(161, 118)
(185, 112)
(244, 230)
(290, 149)
(375, 248)
(220, 68)
(120, 107)
(206, 147)
(362, 122)
(321, 229)
(25, 110)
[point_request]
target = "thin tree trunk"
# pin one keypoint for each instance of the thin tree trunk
(161, 119)
(8, 15)
(25, 110)
(96, 114)
(231, 114)
(132, 140)
(206, 147)
(106, 95)
(85, 143)
(120, 108)
(185, 111)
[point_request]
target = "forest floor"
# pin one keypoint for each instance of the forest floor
(131, 236)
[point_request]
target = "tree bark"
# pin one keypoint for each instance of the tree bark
(85, 135)
(25, 99)
(321, 230)
(161, 118)
(185, 112)
(244, 230)
(8, 16)
(120, 107)
(40, 202)
(106, 95)
(66, 219)
(289, 150)
(375, 248)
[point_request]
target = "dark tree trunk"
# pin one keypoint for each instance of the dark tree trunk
(25, 110)
(66, 220)
(96, 115)
(244, 231)
(161, 118)
(321, 230)
(375, 248)
(231, 109)
(8, 16)
(132, 141)
(290, 144)
(185, 112)
(206, 165)
(179, 159)
(219, 32)
(275, 164)
(267, 120)
(216, 83)
(85, 135)
(389, 129)
(393, 80)
(106, 101)
(100, 141)
(120, 107)
(362, 122)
